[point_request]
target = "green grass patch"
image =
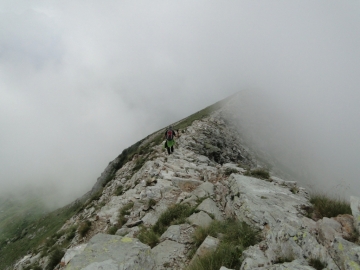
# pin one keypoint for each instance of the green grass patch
(148, 237)
(325, 206)
(259, 173)
(317, 263)
(41, 229)
(236, 236)
(175, 214)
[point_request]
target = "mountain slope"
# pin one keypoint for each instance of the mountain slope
(163, 200)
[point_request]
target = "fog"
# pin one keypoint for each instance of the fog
(82, 80)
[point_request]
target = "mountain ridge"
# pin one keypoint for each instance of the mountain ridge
(211, 171)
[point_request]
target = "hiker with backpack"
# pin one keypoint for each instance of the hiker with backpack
(169, 143)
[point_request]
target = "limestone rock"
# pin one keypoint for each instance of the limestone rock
(71, 252)
(168, 252)
(200, 219)
(328, 229)
(346, 254)
(355, 209)
(210, 244)
(113, 252)
(209, 206)
(179, 233)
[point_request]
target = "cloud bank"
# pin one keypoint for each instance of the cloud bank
(82, 80)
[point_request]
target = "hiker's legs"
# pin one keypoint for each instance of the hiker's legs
(167, 148)
(172, 149)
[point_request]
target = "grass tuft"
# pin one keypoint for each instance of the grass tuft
(324, 206)
(148, 236)
(175, 214)
(258, 173)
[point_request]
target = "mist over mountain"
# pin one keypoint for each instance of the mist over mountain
(315, 143)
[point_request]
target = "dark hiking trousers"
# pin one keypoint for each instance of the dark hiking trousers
(169, 149)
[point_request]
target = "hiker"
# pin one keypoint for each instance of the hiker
(169, 143)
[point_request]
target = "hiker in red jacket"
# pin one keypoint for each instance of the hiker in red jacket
(169, 135)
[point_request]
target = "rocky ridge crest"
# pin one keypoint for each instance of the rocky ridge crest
(207, 170)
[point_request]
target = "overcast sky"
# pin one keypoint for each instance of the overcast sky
(82, 80)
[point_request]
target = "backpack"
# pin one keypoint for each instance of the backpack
(169, 135)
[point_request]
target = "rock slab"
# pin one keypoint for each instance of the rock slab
(113, 252)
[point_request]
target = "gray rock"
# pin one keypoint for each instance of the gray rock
(210, 244)
(200, 219)
(209, 206)
(179, 233)
(355, 209)
(168, 252)
(71, 252)
(185, 184)
(122, 231)
(205, 189)
(113, 251)
(347, 254)
(328, 229)
(261, 202)
(224, 268)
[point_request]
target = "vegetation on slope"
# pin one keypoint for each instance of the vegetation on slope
(35, 235)
(325, 206)
(235, 237)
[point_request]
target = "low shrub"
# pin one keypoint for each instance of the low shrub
(119, 190)
(84, 228)
(55, 258)
(317, 263)
(112, 230)
(71, 233)
(229, 171)
(324, 206)
(284, 259)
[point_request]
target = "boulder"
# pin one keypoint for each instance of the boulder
(105, 251)
(200, 219)
(209, 206)
(179, 233)
(168, 252)
(71, 252)
(210, 244)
